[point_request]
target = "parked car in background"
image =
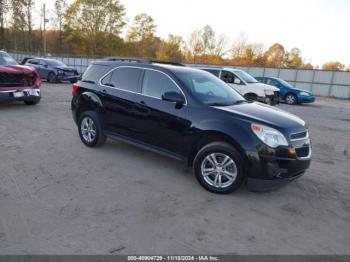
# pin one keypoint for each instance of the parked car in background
(191, 115)
(247, 85)
(17, 82)
(288, 93)
(24, 60)
(53, 70)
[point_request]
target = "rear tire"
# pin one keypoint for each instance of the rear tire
(51, 78)
(90, 129)
(218, 168)
(291, 99)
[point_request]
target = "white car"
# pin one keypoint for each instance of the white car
(247, 85)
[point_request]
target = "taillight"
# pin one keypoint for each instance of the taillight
(37, 83)
(75, 89)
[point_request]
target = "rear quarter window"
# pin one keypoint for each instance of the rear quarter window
(94, 73)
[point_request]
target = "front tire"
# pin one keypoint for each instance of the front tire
(218, 168)
(90, 129)
(291, 99)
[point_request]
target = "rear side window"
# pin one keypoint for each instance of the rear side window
(126, 78)
(94, 72)
(271, 82)
(155, 84)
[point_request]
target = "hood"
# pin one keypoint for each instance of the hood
(265, 86)
(267, 115)
(16, 69)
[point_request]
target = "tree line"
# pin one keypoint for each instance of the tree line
(95, 28)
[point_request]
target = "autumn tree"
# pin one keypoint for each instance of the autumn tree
(94, 25)
(307, 66)
(275, 56)
(195, 45)
(28, 9)
(294, 59)
(142, 36)
(333, 66)
(4, 7)
(171, 49)
(18, 24)
(58, 20)
(204, 46)
(245, 53)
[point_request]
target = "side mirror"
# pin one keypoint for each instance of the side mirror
(237, 81)
(174, 97)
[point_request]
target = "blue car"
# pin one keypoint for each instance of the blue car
(288, 93)
(53, 70)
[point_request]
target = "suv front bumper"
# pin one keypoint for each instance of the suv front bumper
(270, 172)
(270, 99)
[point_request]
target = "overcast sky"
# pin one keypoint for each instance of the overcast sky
(320, 28)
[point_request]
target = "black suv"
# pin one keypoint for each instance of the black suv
(191, 115)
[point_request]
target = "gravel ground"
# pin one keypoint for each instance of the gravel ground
(59, 197)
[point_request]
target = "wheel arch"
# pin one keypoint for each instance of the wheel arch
(208, 137)
(88, 101)
(251, 94)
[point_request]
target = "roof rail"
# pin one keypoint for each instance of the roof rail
(140, 60)
(126, 59)
(166, 63)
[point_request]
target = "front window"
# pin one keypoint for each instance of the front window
(5, 59)
(208, 89)
(246, 77)
(156, 84)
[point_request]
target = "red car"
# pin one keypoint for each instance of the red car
(18, 83)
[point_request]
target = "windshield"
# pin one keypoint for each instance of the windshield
(209, 89)
(5, 59)
(284, 83)
(246, 77)
(55, 63)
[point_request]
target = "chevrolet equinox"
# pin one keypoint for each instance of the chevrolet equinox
(191, 115)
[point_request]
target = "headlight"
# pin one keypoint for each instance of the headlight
(304, 94)
(268, 92)
(271, 137)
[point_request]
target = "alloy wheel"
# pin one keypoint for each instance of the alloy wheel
(88, 129)
(219, 170)
(290, 99)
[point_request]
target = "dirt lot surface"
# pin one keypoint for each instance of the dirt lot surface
(59, 197)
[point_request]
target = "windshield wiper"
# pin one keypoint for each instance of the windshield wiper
(239, 102)
(218, 104)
